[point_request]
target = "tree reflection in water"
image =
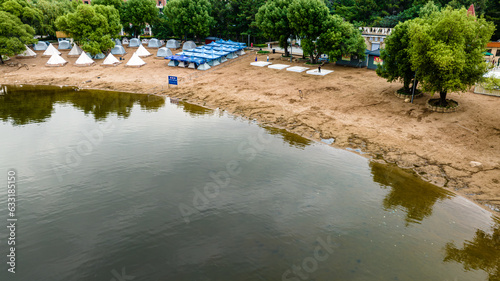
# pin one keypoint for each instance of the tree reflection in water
(412, 194)
(483, 252)
(35, 104)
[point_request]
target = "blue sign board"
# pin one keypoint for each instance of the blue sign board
(172, 80)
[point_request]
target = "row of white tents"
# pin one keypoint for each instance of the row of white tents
(85, 60)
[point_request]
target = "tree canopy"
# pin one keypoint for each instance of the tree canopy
(25, 11)
(14, 35)
(323, 33)
(396, 57)
(92, 27)
(51, 10)
(189, 17)
(446, 50)
(272, 19)
(137, 13)
(115, 3)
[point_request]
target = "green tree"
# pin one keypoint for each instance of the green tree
(25, 11)
(162, 29)
(322, 33)
(115, 3)
(221, 15)
(396, 57)
(51, 10)
(446, 50)
(308, 19)
(493, 14)
(340, 38)
(14, 35)
(189, 17)
(272, 19)
(92, 27)
(243, 17)
(138, 13)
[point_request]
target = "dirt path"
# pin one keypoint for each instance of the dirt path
(354, 106)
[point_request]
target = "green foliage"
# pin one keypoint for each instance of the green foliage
(115, 3)
(51, 10)
(92, 27)
(25, 11)
(138, 13)
(322, 33)
(161, 29)
(14, 35)
(428, 9)
(397, 65)
(340, 38)
(189, 17)
(446, 50)
(493, 14)
(308, 19)
(491, 83)
(272, 19)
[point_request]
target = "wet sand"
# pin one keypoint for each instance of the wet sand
(353, 106)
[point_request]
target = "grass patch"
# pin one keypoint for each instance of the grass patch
(260, 45)
(309, 63)
(263, 52)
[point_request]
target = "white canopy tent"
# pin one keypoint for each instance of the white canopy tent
(135, 61)
(84, 60)
(111, 61)
(50, 51)
(56, 60)
(28, 53)
(75, 52)
(142, 52)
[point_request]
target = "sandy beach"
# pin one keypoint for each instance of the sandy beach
(354, 106)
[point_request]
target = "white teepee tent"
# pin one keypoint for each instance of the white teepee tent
(111, 61)
(84, 60)
(142, 52)
(50, 51)
(135, 61)
(27, 54)
(75, 52)
(56, 60)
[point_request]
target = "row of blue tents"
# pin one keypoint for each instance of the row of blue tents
(206, 56)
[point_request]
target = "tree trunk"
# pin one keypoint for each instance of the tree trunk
(406, 86)
(415, 82)
(442, 99)
(1, 59)
(286, 48)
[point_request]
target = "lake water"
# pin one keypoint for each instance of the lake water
(118, 186)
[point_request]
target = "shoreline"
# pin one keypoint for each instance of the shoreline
(363, 114)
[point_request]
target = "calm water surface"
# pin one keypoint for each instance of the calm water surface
(117, 186)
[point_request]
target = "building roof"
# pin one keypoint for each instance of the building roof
(493, 45)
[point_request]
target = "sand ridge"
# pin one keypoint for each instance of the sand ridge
(352, 105)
